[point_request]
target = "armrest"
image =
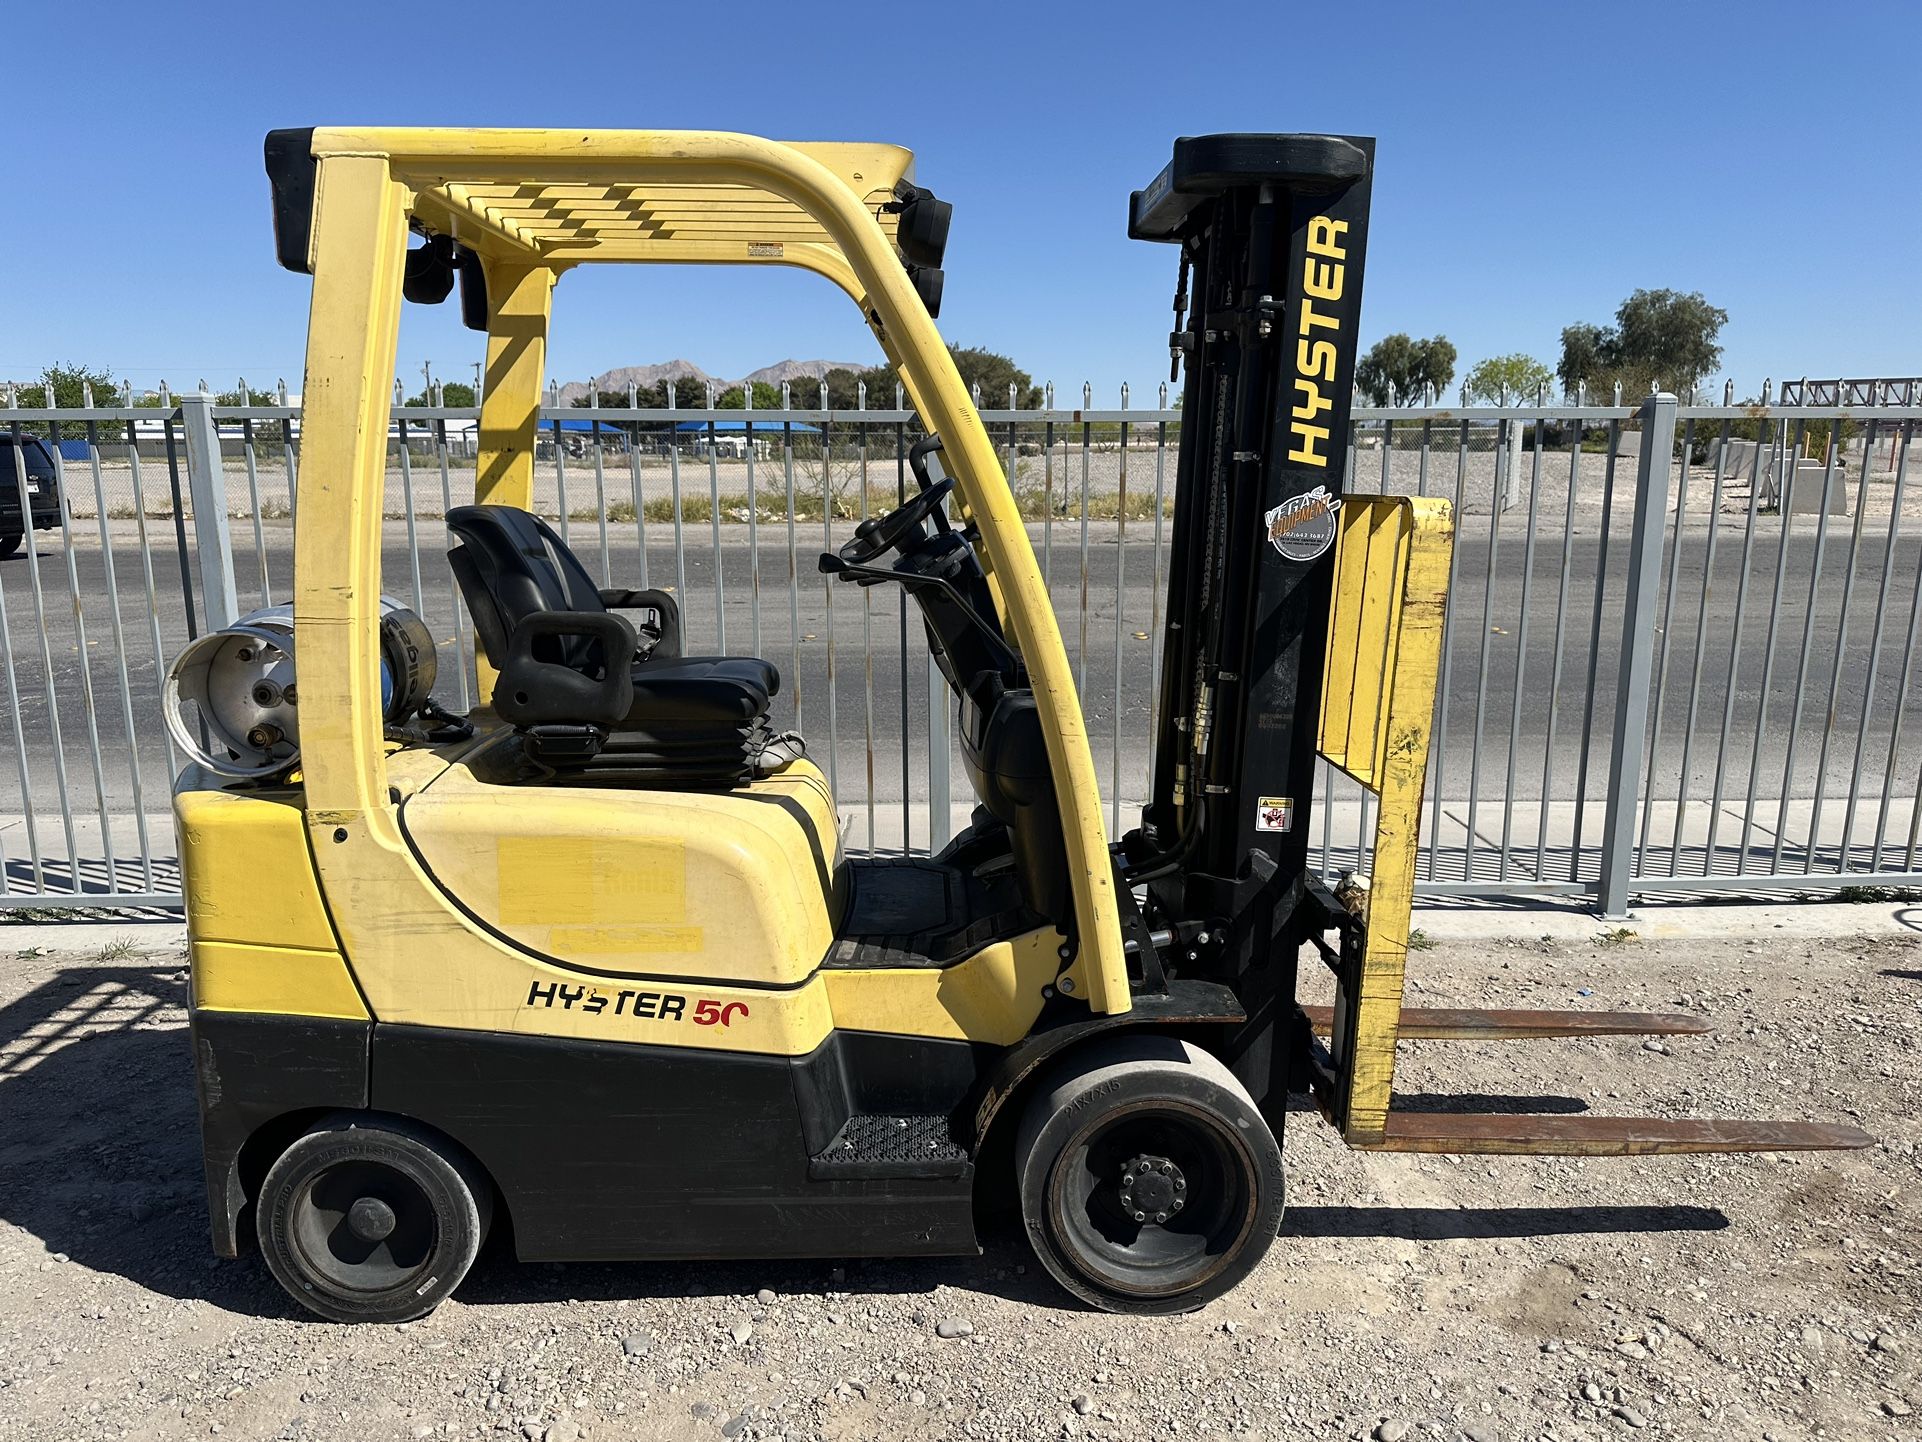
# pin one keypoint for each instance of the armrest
(666, 625)
(533, 692)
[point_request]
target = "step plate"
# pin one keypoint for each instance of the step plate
(871, 1146)
(1586, 1136)
(1444, 1023)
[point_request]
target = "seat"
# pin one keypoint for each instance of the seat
(698, 690)
(577, 678)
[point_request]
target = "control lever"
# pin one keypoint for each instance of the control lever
(832, 565)
(880, 534)
(918, 454)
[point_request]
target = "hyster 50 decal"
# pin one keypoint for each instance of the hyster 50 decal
(1324, 278)
(647, 1005)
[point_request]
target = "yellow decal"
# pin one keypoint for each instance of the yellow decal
(584, 882)
(1324, 277)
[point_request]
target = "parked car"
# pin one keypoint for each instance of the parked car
(42, 484)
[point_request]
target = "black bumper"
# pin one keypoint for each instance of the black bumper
(45, 517)
(255, 1070)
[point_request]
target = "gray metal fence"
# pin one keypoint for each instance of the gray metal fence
(1681, 651)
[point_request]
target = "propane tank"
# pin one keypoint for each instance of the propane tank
(232, 701)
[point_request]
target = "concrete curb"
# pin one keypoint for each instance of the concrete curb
(163, 939)
(1653, 921)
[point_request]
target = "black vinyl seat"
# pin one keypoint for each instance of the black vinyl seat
(577, 678)
(734, 689)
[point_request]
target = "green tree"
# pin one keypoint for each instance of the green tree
(66, 387)
(1661, 338)
(1400, 370)
(1666, 338)
(1435, 364)
(1507, 379)
(1587, 357)
(993, 373)
(844, 388)
(988, 369)
(459, 395)
(767, 397)
(253, 396)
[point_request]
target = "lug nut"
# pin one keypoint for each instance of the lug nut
(1141, 1216)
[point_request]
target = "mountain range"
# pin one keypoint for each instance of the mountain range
(621, 377)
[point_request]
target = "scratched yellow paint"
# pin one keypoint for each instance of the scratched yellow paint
(741, 884)
(546, 201)
(273, 980)
(249, 877)
(1384, 652)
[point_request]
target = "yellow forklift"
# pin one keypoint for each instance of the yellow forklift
(590, 966)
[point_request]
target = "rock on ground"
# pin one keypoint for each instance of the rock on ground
(1408, 1298)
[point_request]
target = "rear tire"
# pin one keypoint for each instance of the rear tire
(371, 1219)
(10, 542)
(1149, 1182)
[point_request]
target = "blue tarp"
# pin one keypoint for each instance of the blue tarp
(764, 426)
(587, 426)
(74, 450)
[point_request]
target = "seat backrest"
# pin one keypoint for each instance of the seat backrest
(510, 565)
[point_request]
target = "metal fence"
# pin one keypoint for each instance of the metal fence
(1681, 649)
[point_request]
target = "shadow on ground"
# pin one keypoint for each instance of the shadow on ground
(100, 1160)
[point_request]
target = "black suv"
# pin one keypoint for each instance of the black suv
(43, 489)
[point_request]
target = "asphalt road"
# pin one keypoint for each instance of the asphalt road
(818, 631)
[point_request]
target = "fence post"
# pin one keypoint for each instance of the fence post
(207, 490)
(1509, 461)
(1638, 645)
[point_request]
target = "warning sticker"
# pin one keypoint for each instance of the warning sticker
(1303, 527)
(1275, 813)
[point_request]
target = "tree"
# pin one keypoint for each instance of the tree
(1586, 358)
(1502, 379)
(460, 395)
(68, 387)
(1435, 366)
(987, 369)
(1400, 370)
(253, 396)
(1665, 338)
(844, 388)
(1661, 338)
(767, 397)
(993, 373)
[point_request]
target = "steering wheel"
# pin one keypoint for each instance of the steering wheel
(880, 534)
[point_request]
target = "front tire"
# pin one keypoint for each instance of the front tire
(371, 1219)
(1149, 1182)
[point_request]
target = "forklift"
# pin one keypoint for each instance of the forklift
(590, 968)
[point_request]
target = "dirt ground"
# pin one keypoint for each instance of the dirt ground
(1418, 1298)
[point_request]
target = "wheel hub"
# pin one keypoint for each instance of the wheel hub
(371, 1220)
(1153, 1188)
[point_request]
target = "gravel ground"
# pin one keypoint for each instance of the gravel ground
(1413, 1298)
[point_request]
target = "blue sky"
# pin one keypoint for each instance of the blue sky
(1536, 163)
